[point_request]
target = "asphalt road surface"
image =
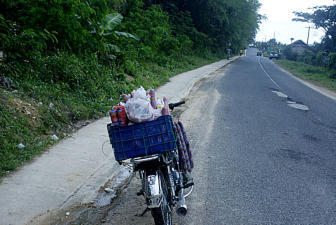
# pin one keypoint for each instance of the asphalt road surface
(264, 147)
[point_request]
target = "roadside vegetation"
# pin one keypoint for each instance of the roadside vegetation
(38, 114)
(65, 62)
(320, 76)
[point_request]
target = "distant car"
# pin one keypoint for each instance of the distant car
(274, 55)
(259, 54)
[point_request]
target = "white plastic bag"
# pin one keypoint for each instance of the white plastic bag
(139, 110)
(140, 93)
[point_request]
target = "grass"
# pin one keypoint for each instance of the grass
(319, 76)
(35, 108)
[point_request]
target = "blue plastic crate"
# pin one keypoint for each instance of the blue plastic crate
(142, 139)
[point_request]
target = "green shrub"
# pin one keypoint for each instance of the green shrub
(159, 41)
(322, 59)
(308, 57)
(289, 54)
(131, 67)
(23, 45)
(332, 65)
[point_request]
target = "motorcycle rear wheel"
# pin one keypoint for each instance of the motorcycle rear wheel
(163, 214)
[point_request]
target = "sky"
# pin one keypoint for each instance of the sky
(279, 22)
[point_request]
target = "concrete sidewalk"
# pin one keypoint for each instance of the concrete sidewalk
(73, 171)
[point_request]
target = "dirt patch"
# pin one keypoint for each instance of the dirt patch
(27, 109)
(129, 78)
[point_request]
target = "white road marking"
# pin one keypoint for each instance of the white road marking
(267, 74)
(299, 106)
(280, 94)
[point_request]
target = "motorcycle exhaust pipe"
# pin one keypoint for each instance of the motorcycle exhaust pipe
(181, 205)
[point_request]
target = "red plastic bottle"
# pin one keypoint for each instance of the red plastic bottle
(122, 117)
(114, 116)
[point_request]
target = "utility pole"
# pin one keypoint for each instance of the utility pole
(308, 35)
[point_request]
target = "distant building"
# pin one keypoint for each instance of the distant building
(299, 46)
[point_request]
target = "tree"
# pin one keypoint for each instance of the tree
(322, 17)
(217, 22)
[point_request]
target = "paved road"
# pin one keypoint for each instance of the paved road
(264, 146)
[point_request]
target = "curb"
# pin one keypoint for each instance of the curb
(185, 90)
(208, 74)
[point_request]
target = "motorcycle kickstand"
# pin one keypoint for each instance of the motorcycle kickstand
(144, 212)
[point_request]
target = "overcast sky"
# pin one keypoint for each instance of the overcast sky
(279, 20)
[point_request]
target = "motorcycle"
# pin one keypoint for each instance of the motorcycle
(164, 185)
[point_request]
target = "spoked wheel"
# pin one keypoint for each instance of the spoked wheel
(163, 214)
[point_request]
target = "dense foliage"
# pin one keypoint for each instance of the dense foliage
(31, 27)
(216, 22)
(117, 33)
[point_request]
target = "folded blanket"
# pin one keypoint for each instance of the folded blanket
(185, 156)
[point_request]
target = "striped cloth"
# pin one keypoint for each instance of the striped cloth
(185, 156)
